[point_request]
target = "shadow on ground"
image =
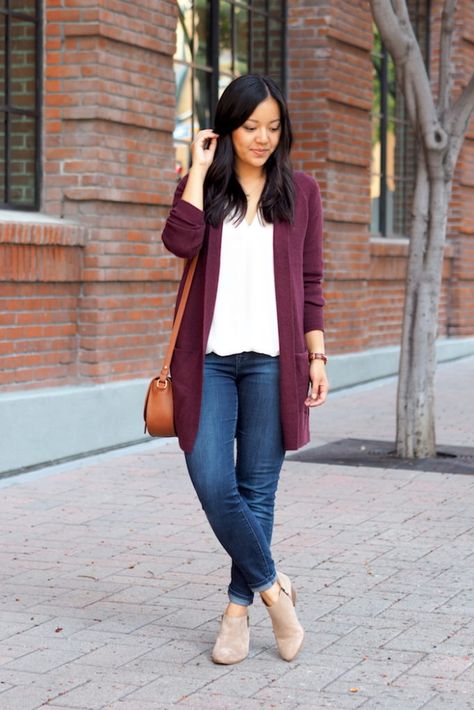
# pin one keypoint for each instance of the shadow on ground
(381, 454)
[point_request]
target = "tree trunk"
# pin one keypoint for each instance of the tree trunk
(415, 399)
(441, 129)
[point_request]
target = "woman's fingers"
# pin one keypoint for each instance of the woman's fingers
(319, 390)
(204, 145)
(316, 398)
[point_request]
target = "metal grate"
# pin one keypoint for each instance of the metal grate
(381, 454)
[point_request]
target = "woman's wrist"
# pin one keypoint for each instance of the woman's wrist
(193, 192)
(198, 172)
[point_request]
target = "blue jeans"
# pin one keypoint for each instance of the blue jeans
(236, 485)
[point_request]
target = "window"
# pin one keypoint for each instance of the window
(218, 40)
(19, 104)
(393, 165)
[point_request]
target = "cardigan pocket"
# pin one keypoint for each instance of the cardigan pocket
(302, 376)
(184, 364)
(186, 375)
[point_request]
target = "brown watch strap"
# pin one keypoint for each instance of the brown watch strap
(318, 356)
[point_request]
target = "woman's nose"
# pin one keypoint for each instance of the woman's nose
(262, 135)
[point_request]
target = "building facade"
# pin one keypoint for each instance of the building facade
(99, 103)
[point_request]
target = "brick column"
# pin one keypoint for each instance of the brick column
(329, 87)
(460, 309)
(109, 164)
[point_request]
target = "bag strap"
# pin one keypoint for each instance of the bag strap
(165, 370)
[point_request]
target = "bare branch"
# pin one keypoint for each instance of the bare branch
(391, 17)
(401, 10)
(388, 23)
(458, 118)
(410, 102)
(445, 67)
(461, 111)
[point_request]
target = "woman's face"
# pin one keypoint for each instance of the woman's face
(258, 137)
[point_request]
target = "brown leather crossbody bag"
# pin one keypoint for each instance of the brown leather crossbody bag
(158, 411)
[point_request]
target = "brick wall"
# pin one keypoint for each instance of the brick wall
(461, 223)
(331, 120)
(39, 296)
(88, 296)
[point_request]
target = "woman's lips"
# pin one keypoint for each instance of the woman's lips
(259, 153)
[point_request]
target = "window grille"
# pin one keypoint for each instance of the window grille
(394, 144)
(19, 104)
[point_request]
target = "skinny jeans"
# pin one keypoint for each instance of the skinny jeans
(236, 461)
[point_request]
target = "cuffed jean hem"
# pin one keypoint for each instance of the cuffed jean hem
(266, 585)
(247, 601)
(239, 600)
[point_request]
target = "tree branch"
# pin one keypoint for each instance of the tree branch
(392, 19)
(401, 10)
(460, 113)
(410, 101)
(458, 118)
(445, 66)
(388, 23)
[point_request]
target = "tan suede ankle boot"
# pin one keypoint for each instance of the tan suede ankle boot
(232, 643)
(289, 633)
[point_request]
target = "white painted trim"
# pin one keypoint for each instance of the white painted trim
(12, 216)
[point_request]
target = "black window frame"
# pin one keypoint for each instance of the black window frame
(421, 27)
(10, 110)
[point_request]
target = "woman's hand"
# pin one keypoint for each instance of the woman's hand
(203, 149)
(319, 384)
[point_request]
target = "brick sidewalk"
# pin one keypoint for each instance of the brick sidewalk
(112, 584)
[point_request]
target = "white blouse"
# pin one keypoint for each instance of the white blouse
(245, 314)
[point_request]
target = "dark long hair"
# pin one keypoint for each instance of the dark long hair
(223, 195)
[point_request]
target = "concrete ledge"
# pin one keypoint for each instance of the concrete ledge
(355, 368)
(49, 425)
(43, 426)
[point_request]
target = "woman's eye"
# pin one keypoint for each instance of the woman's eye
(272, 129)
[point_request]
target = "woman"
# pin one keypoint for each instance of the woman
(250, 342)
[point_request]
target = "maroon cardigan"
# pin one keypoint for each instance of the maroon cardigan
(298, 273)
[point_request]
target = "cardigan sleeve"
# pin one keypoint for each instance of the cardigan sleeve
(185, 226)
(313, 262)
